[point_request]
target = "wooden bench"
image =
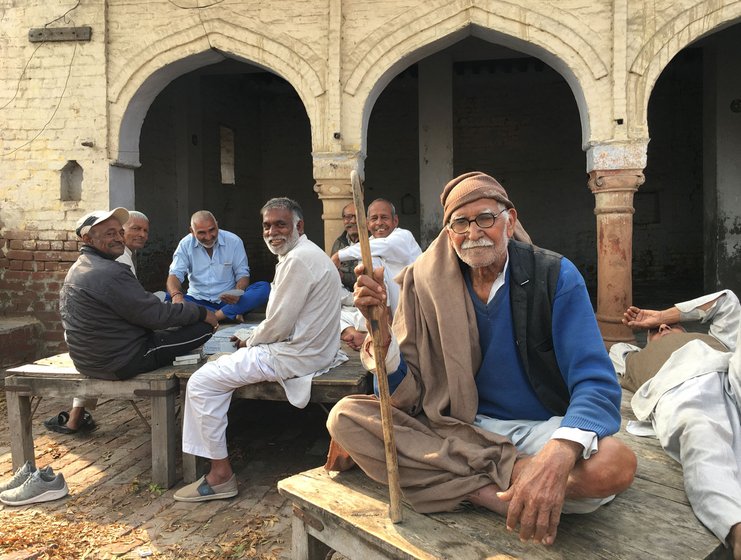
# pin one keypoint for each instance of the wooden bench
(347, 512)
(57, 377)
(348, 378)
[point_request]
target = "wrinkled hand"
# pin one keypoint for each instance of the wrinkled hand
(637, 318)
(336, 259)
(211, 319)
(538, 490)
(238, 342)
(369, 292)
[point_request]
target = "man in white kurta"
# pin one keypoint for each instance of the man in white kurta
(296, 341)
(391, 247)
(692, 399)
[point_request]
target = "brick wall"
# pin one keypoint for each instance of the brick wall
(33, 265)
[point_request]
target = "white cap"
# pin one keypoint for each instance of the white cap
(96, 216)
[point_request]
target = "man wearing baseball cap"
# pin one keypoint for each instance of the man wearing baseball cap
(115, 329)
(504, 394)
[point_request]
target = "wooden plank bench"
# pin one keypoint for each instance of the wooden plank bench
(349, 378)
(347, 512)
(57, 377)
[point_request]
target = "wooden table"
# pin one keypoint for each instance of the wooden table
(347, 512)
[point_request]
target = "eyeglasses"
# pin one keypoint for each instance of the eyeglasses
(349, 217)
(484, 221)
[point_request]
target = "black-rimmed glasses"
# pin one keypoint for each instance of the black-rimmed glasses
(484, 221)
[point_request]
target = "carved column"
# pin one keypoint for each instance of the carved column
(332, 176)
(613, 191)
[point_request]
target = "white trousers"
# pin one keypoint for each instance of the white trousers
(209, 393)
(698, 425)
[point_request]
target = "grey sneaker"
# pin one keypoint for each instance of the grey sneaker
(39, 487)
(21, 475)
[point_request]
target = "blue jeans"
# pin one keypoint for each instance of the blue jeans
(256, 295)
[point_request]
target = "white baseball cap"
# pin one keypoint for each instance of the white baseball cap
(96, 216)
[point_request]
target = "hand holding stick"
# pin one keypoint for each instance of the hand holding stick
(379, 333)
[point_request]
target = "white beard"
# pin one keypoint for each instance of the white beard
(290, 242)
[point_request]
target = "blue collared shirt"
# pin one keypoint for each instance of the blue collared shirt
(209, 277)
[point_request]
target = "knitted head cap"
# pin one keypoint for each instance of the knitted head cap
(469, 187)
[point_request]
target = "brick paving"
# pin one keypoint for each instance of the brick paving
(109, 472)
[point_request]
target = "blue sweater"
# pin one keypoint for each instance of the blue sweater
(504, 389)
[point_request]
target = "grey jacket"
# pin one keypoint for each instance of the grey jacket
(107, 315)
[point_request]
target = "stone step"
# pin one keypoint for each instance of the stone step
(20, 341)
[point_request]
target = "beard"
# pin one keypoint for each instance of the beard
(290, 242)
(481, 252)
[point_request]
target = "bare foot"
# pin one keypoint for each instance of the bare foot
(353, 337)
(487, 497)
(734, 541)
(75, 417)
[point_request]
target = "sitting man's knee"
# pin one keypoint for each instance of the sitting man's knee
(617, 467)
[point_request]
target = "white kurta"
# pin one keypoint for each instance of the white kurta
(394, 253)
(694, 403)
(296, 341)
(128, 258)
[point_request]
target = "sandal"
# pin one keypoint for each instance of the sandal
(58, 423)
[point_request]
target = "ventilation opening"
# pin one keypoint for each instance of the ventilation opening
(71, 182)
(226, 139)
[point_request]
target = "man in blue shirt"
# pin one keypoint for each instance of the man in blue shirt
(215, 263)
(503, 393)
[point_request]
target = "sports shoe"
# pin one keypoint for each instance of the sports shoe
(202, 491)
(21, 475)
(39, 487)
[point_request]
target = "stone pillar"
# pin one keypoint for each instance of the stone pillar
(613, 191)
(332, 176)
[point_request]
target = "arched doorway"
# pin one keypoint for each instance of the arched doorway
(225, 137)
(503, 112)
(688, 213)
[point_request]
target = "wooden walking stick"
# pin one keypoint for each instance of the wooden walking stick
(379, 332)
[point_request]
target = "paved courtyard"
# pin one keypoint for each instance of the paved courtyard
(113, 510)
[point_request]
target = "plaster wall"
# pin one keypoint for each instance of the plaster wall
(86, 101)
(723, 167)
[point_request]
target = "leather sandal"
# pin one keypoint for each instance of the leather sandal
(58, 423)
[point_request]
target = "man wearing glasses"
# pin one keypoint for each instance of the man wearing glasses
(688, 390)
(347, 238)
(504, 394)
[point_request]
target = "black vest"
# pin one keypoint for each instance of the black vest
(534, 276)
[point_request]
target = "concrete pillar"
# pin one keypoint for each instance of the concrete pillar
(613, 192)
(332, 176)
(121, 185)
(435, 140)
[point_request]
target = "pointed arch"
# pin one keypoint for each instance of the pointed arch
(135, 86)
(687, 27)
(434, 26)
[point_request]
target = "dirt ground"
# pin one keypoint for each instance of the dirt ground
(114, 511)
